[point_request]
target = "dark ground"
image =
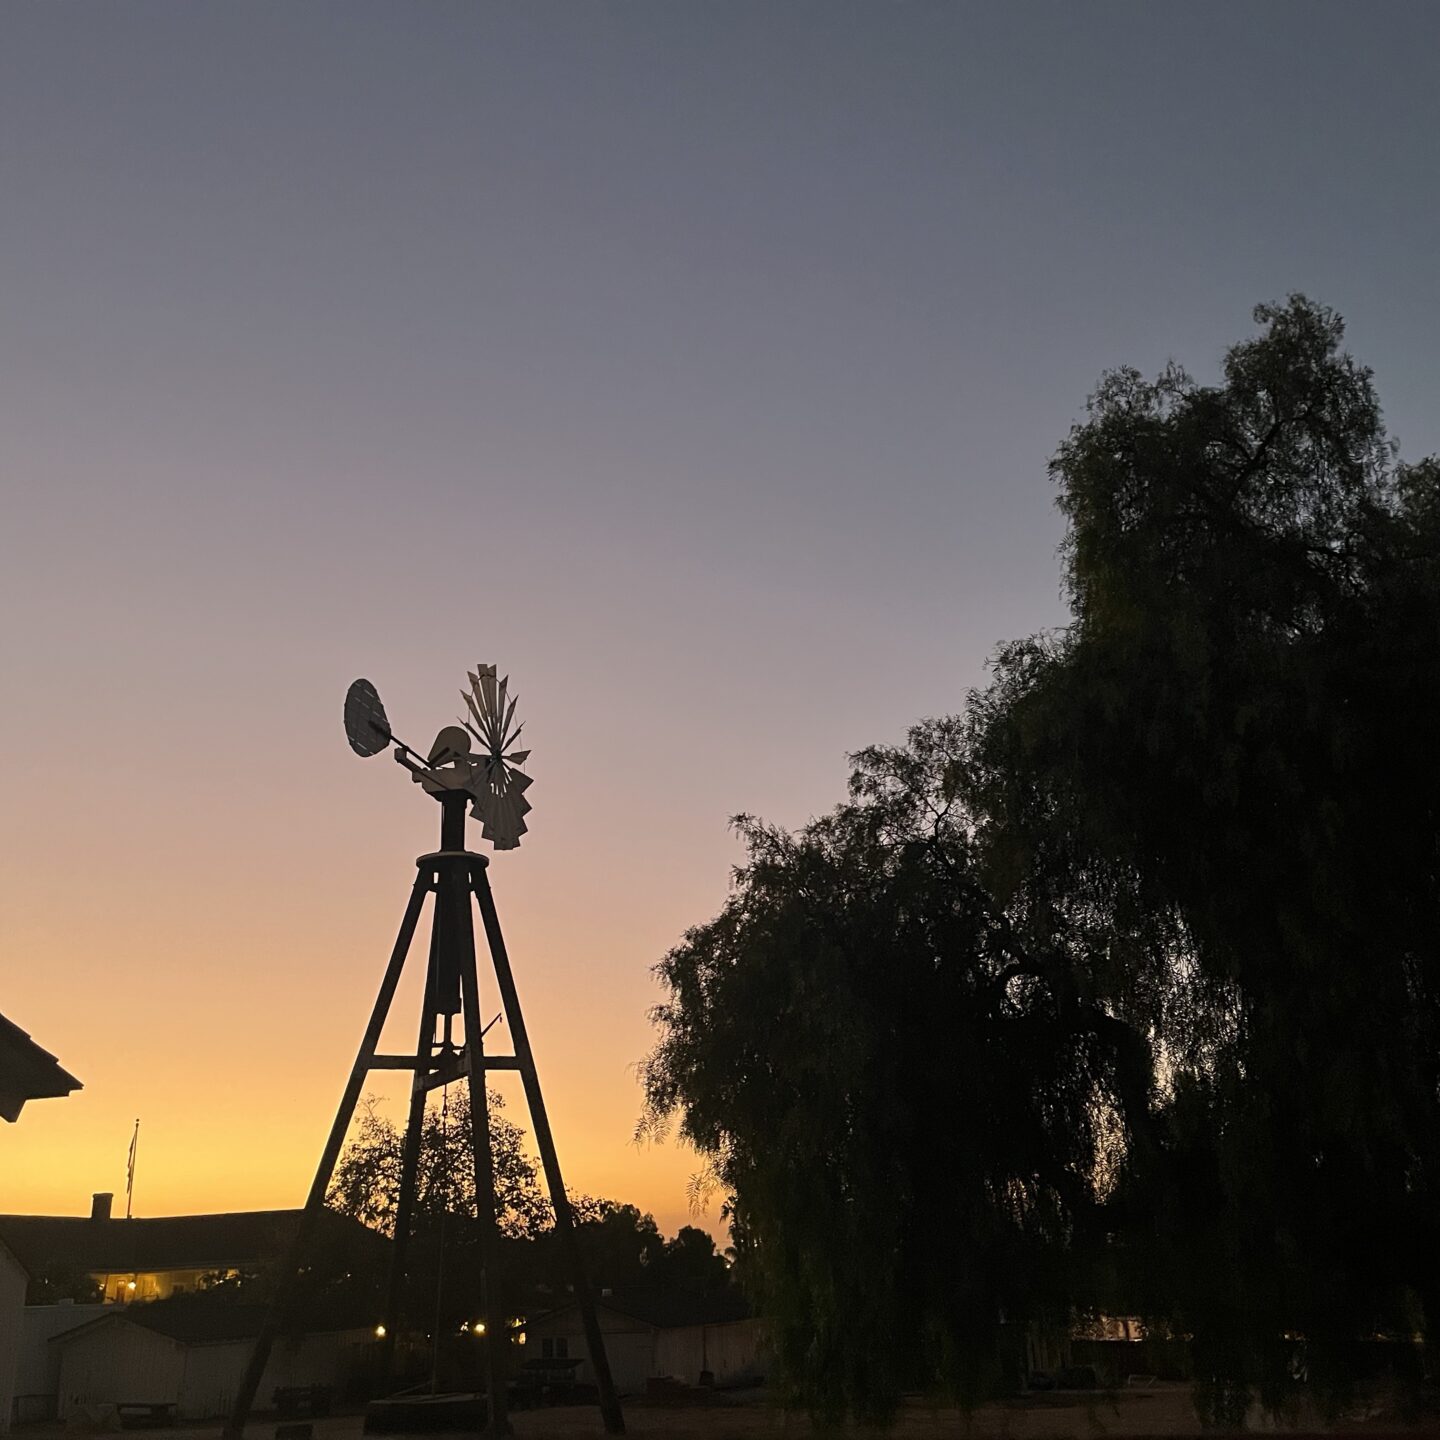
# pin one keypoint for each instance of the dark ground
(1164, 1411)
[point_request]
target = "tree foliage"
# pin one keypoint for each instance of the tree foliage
(1226, 765)
(621, 1245)
(910, 1107)
(367, 1178)
(1135, 959)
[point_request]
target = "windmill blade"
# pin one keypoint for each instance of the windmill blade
(497, 786)
(502, 807)
(481, 704)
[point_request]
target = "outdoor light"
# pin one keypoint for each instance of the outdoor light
(129, 1284)
(479, 1327)
(379, 1332)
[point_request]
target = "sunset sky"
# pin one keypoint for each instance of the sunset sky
(696, 364)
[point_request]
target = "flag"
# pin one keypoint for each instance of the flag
(130, 1169)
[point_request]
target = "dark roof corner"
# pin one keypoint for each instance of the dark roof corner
(27, 1072)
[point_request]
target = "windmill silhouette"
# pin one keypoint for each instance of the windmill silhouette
(488, 784)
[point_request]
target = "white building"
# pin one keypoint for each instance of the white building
(653, 1336)
(26, 1073)
(37, 1367)
(190, 1354)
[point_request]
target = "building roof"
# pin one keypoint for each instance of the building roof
(27, 1072)
(190, 1320)
(666, 1309)
(238, 1240)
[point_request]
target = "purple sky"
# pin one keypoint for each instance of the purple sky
(699, 364)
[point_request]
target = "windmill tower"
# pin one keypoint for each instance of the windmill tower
(488, 784)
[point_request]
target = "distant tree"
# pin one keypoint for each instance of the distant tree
(57, 1282)
(367, 1178)
(911, 1110)
(244, 1283)
(622, 1245)
(691, 1262)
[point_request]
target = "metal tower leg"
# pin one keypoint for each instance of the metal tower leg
(564, 1218)
(405, 1198)
(315, 1202)
(497, 1396)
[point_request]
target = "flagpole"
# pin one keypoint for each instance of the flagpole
(130, 1168)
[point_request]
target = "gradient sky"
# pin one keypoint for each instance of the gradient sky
(697, 363)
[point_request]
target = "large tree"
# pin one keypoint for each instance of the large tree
(1226, 766)
(912, 1110)
(1196, 827)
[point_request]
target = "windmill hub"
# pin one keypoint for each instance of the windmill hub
(491, 779)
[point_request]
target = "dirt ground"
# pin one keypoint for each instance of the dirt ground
(1165, 1411)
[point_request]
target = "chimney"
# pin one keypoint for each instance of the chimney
(100, 1205)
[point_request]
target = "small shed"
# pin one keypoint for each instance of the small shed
(190, 1353)
(653, 1335)
(37, 1371)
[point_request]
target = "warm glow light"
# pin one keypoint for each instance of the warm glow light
(379, 1332)
(129, 1284)
(479, 1327)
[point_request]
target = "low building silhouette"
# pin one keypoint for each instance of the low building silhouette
(165, 1256)
(652, 1338)
(189, 1353)
(187, 1289)
(26, 1073)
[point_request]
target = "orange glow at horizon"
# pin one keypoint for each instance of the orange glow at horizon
(610, 352)
(230, 1032)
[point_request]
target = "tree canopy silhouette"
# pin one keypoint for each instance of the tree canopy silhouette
(911, 1108)
(1133, 959)
(621, 1244)
(366, 1183)
(1225, 769)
